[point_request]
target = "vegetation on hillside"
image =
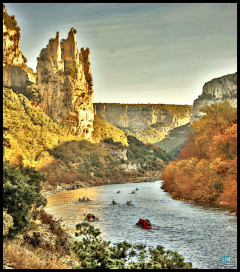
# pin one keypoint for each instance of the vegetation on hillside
(103, 130)
(149, 156)
(150, 135)
(30, 91)
(180, 111)
(29, 130)
(206, 170)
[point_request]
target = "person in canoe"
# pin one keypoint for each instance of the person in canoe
(83, 198)
(91, 217)
(136, 188)
(118, 192)
(79, 199)
(146, 223)
(88, 199)
(133, 192)
(113, 202)
(140, 222)
(129, 202)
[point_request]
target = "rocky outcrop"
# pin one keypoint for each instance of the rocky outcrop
(215, 91)
(141, 116)
(65, 84)
(118, 153)
(131, 167)
(15, 71)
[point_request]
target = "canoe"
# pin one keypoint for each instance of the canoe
(144, 227)
(91, 220)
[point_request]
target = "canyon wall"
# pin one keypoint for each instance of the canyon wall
(140, 116)
(215, 91)
(15, 71)
(64, 80)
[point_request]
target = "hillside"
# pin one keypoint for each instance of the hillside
(37, 141)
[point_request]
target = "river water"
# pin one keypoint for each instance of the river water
(200, 233)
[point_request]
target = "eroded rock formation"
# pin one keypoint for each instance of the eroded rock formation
(65, 84)
(15, 71)
(215, 91)
(141, 116)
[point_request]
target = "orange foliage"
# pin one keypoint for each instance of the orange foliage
(206, 170)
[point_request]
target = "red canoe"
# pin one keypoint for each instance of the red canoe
(145, 227)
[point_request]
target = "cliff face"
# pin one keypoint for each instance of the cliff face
(65, 84)
(141, 116)
(215, 91)
(15, 72)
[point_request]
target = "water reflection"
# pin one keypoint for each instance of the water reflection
(202, 234)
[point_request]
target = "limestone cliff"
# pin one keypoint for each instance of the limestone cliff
(15, 71)
(141, 116)
(215, 91)
(65, 84)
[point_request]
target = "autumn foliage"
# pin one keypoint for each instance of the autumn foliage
(206, 170)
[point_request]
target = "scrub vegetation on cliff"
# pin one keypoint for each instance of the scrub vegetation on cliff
(206, 170)
(11, 23)
(103, 130)
(150, 135)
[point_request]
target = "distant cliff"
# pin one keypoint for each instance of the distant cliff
(162, 117)
(65, 84)
(215, 91)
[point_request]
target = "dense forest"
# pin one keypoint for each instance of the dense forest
(206, 170)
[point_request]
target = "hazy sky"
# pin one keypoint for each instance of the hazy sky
(140, 53)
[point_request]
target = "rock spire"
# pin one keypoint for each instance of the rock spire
(65, 84)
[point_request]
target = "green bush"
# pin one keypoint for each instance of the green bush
(69, 71)
(95, 253)
(11, 22)
(21, 191)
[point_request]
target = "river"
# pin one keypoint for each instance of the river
(200, 233)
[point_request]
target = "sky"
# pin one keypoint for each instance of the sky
(158, 53)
